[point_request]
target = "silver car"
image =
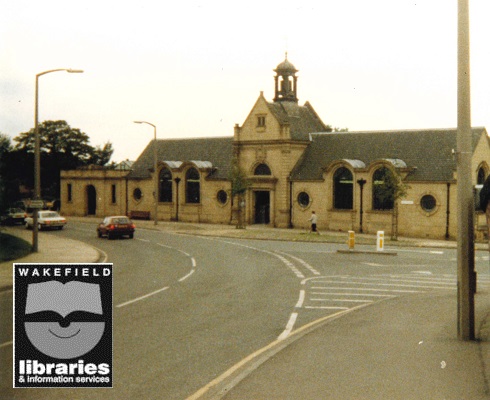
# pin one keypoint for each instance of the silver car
(46, 220)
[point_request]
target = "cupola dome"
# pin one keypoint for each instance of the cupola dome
(285, 82)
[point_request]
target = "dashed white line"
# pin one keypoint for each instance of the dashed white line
(141, 297)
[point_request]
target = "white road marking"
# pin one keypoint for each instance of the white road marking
(372, 290)
(344, 300)
(301, 299)
(288, 263)
(185, 277)
(421, 251)
(353, 294)
(6, 344)
(193, 260)
(302, 262)
(326, 308)
(408, 279)
(258, 357)
(141, 297)
(289, 326)
(384, 284)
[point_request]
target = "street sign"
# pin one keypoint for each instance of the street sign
(36, 204)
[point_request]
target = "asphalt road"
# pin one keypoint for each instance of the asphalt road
(188, 308)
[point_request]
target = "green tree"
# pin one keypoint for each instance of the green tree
(5, 148)
(62, 148)
(388, 191)
(239, 185)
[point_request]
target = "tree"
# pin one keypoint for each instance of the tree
(388, 191)
(239, 185)
(5, 148)
(62, 148)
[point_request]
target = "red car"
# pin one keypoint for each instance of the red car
(116, 226)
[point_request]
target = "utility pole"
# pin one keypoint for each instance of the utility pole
(466, 249)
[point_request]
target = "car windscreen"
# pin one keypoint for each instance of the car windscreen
(49, 215)
(121, 221)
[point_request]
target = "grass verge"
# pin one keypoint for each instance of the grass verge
(12, 247)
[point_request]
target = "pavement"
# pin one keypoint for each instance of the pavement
(403, 348)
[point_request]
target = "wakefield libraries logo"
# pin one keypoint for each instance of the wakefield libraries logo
(62, 325)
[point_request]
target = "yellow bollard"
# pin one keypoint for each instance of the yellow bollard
(380, 241)
(352, 240)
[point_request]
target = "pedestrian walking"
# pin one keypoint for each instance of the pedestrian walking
(313, 219)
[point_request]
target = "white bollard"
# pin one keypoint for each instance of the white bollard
(352, 240)
(380, 241)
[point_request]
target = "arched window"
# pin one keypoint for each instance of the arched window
(343, 188)
(480, 180)
(383, 189)
(192, 186)
(165, 186)
(262, 169)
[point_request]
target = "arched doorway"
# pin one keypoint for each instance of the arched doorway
(91, 200)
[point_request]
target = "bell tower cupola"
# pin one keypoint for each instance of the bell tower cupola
(286, 82)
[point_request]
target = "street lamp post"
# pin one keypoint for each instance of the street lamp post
(466, 245)
(155, 168)
(37, 154)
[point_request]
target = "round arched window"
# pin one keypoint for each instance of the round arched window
(262, 169)
(428, 203)
(137, 194)
(222, 197)
(304, 199)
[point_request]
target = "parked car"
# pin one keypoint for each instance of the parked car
(46, 220)
(13, 216)
(116, 226)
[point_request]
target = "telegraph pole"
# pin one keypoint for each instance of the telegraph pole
(466, 249)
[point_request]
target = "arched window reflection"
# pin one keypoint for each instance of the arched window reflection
(383, 189)
(165, 186)
(192, 186)
(343, 189)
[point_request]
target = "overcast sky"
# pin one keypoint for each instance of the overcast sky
(195, 68)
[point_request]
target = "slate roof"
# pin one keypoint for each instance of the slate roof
(204, 152)
(303, 120)
(430, 151)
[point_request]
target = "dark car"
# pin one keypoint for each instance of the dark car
(116, 226)
(13, 216)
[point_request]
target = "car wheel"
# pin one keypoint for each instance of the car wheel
(27, 225)
(99, 234)
(39, 227)
(131, 235)
(110, 236)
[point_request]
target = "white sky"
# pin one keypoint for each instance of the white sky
(195, 68)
